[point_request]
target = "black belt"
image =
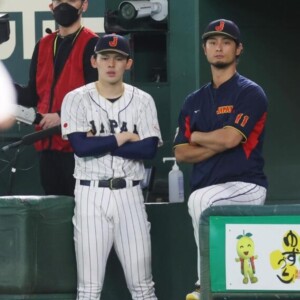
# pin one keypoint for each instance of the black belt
(113, 183)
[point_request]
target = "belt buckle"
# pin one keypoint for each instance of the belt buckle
(117, 183)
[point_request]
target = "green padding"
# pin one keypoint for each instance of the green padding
(204, 235)
(55, 261)
(36, 249)
(37, 259)
(39, 297)
(16, 257)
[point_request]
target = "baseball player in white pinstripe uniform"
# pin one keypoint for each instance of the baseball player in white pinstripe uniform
(112, 127)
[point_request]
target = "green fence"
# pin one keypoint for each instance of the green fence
(37, 259)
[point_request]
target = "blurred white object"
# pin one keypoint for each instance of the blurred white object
(7, 98)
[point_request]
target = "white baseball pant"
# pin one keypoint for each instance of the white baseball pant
(104, 218)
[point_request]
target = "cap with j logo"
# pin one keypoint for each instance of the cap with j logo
(222, 27)
(113, 43)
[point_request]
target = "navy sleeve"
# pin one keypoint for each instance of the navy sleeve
(144, 149)
(250, 110)
(91, 146)
(183, 131)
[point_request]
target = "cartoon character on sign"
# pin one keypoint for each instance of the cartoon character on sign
(245, 251)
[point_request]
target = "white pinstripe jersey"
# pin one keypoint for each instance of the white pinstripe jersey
(135, 112)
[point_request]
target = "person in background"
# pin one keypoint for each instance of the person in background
(113, 127)
(221, 132)
(60, 63)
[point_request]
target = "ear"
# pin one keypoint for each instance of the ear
(239, 49)
(94, 61)
(51, 7)
(85, 5)
(129, 64)
(204, 48)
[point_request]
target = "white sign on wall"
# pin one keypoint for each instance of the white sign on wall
(29, 10)
(262, 257)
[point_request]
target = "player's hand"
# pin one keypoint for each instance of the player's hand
(133, 137)
(125, 137)
(50, 120)
(90, 134)
(194, 138)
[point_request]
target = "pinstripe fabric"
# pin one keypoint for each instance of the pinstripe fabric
(135, 109)
(229, 193)
(104, 219)
(107, 218)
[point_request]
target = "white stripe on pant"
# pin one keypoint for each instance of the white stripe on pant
(104, 218)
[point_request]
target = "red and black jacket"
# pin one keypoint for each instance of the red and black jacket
(57, 67)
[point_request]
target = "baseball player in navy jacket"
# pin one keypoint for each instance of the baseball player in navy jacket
(221, 132)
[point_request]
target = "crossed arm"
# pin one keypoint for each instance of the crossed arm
(204, 145)
(124, 144)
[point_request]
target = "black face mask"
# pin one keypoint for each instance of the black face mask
(65, 14)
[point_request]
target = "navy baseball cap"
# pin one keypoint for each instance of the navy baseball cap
(113, 43)
(222, 27)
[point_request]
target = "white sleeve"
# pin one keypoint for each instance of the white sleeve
(73, 116)
(148, 122)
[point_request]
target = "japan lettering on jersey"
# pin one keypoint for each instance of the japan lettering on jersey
(85, 110)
